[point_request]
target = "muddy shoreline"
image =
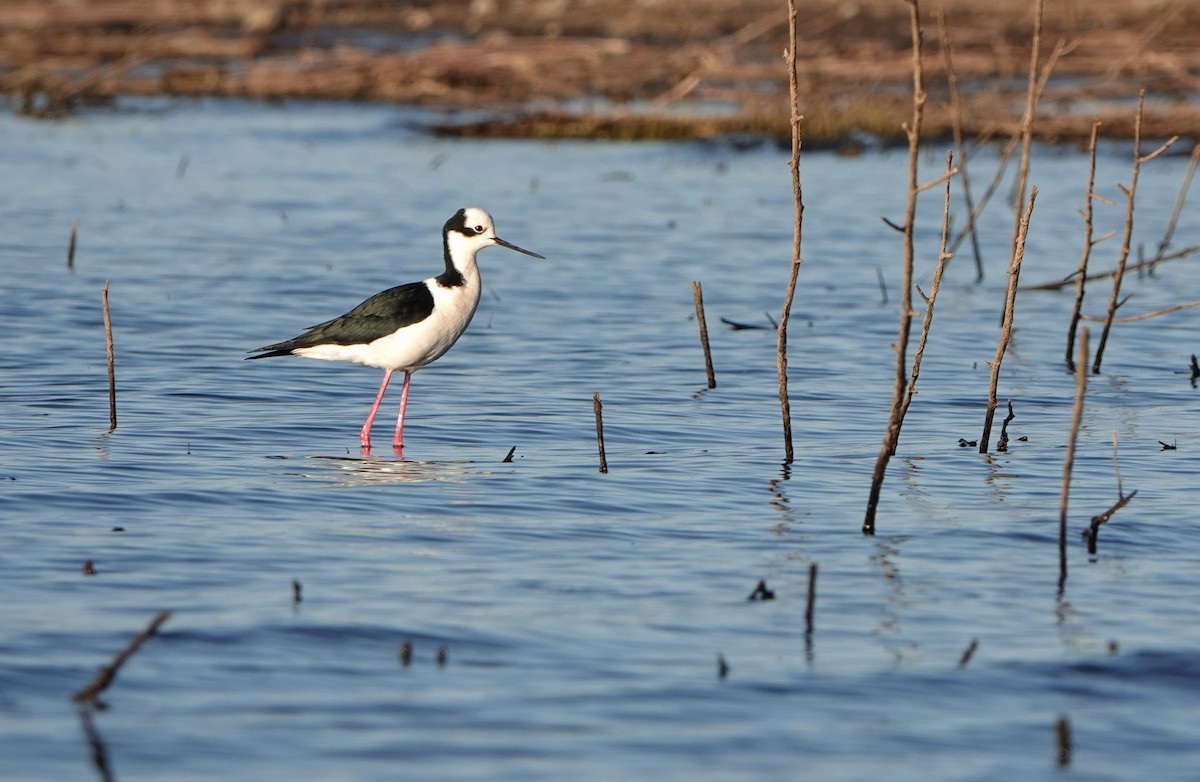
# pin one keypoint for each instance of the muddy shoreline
(625, 69)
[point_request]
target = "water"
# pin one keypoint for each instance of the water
(581, 614)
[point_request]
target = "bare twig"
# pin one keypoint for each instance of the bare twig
(798, 198)
(1092, 533)
(1006, 325)
(1127, 237)
(1149, 263)
(1169, 233)
(913, 130)
(106, 675)
(1088, 243)
(698, 295)
(112, 369)
(1002, 443)
(1036, 84)
(1187, 305)
(956, 115)
(1069, 460)
(993, 186)
(930, 300)
(597, 408)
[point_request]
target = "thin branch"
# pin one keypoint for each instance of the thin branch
(1184, 186)
(1146, 315)
(1069, 460)
(895, 418)
(931, 299)
(798, 219)
(956, 127)
(1130, 196)
(1088, 244)
(1006, 325)
(105, 676)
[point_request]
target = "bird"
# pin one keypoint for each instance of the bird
(409, 326)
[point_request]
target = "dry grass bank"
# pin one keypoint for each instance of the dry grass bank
(646, 68)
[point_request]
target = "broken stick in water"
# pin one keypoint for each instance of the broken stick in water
(598, 408)
(698, 295)
(112, 373)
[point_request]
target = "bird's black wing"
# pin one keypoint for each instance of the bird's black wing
(382, 314)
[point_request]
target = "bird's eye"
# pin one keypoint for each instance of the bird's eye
(479, 229)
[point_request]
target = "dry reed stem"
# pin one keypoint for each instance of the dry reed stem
(1088, 243)
(943, 257)
(1149, 263)
(1127, 237)
(912, 130)
(597, 408)
(112, 369)
(1187, 305)
(795, 119)
(1069, 460)
(105, 676)
(1006, 324)
(993, 186)
(1184, 186)
(698, 295)
(71, 244)
(1031, 97)
(959, 145)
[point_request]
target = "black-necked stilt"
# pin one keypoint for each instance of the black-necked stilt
(408, 326)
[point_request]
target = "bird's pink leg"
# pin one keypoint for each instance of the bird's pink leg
(365, 435)
(398, 440)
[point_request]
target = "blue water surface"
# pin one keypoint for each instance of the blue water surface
(579, 615)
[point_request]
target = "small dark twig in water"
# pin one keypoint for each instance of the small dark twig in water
(1093, 532)
(698, 295)
(1062, 734)
(1195, 370)
(965, 443)
(112, 371)
(508, 459)
(761, 592)
(405, 653)
(71, 244)
(442, 656)
(737, 326)
(296, 591)
(1002, 444)
(1167, 446)
(810, 603)
(722, 667)
(598, 408)
(968, 653)
(108, 673)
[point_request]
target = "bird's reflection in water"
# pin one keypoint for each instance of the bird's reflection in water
(374, 471)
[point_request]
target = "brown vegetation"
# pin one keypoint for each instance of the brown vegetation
(644, 68)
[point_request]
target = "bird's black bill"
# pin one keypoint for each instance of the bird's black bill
(511, 246)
